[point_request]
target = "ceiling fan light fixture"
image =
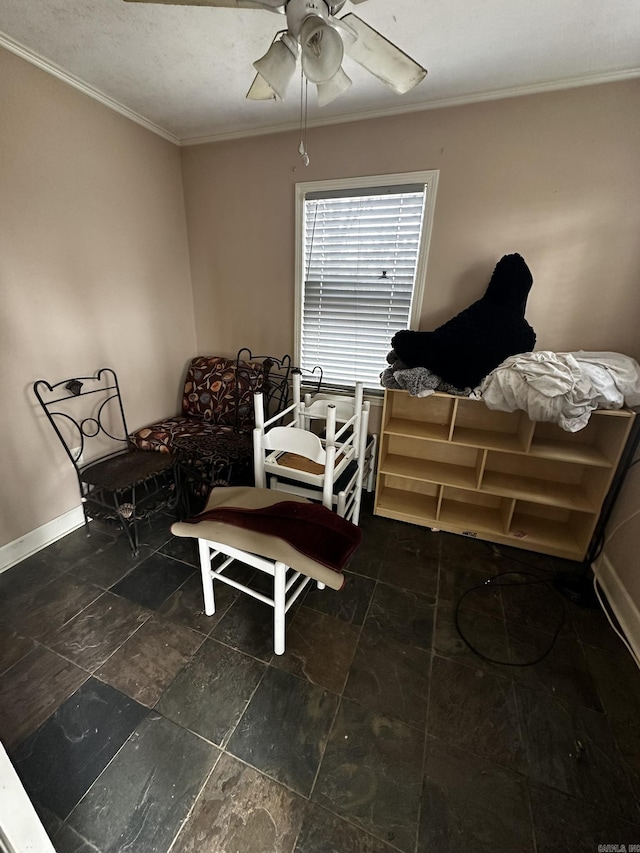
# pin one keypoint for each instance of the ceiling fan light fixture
(333, 88)
(260, 90)
(278, 66)
(322, 50)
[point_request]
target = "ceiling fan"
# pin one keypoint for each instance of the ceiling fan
(321, 39)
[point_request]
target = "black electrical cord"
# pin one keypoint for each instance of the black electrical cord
(491, 583)
(595, 549)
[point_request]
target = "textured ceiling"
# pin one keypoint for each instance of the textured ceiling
(185, 71)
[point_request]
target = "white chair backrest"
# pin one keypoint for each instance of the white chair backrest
(299, 441)
(346, 406)
(318, 408)
(349, 411)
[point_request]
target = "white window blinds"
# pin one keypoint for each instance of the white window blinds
(361, 251)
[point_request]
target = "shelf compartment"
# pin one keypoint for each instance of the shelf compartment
(537, 490)
(434, 412)
(432, 461)
(566, 532)
(429, 471)
(561, 451)
(418, 487)
(397, 500)
(544, 481)
(479, 426)
(472, 513)
(417, 429)
(599, 444)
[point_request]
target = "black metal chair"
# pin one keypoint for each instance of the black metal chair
(118, 484)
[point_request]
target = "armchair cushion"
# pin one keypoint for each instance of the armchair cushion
(217, 401)
(217, 392)
(161, 436)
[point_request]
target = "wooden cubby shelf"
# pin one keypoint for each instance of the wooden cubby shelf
(453, 464)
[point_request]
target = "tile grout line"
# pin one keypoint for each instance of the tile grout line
(98, 777)
(426, 726)
(341, 695)
(195, 799)
(341, 699)
(92, 673)
(523, 743)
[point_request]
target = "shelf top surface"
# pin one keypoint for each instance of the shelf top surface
(623, 412)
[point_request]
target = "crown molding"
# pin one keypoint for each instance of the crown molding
(53, 69)
(462, 100)
(358, 115)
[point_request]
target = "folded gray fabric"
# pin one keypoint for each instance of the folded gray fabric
(418, 381)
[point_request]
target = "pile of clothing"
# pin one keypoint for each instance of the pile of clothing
(486, 352)
(562, 387)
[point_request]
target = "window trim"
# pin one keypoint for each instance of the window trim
(428, 178)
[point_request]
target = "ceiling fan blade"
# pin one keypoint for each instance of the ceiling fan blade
(271, 5)
(260, 90)
(380, 57)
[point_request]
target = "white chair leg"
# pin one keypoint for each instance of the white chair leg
(357, 501)
(279, 611)
(207, 580)
(372, 463)
(320, 585)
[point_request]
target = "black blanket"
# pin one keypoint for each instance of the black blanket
(473, 343)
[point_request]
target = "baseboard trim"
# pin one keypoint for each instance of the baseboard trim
(36, 540)
(623, 606)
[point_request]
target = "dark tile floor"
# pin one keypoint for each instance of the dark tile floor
(138, 724)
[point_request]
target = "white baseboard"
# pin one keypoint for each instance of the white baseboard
(623, 606)
(36, 540)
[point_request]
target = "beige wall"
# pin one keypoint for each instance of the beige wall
(94, 272)
(552, 176)
(555, 177)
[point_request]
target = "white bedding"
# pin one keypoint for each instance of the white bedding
(562, 387)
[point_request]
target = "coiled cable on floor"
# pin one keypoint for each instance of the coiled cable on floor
(596, 546)
(491, 582)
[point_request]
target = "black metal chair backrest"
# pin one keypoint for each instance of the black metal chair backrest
(310, 380)
(87, 414)
(272, 380)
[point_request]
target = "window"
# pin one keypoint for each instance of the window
(361, 261)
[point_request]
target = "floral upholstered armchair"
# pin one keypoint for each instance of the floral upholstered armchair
(212, 436)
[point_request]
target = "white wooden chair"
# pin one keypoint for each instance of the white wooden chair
(315, 406)
(221, 545)
(294, 459)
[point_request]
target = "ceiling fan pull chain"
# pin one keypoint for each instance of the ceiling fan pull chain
(304, 99)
